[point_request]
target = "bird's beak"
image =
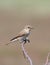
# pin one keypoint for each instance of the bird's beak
(32, 28)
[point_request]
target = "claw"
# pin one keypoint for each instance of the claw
(28, 41)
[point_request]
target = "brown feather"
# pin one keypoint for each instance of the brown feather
(22, 33)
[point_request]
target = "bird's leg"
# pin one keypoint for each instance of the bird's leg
(25, 41)
(28, 40)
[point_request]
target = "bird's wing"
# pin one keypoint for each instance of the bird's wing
(22, 33)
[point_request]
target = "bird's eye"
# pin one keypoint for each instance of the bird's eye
(28, 27)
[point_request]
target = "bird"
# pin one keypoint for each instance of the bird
(22, 36)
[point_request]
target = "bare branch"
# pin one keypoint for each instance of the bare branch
(25, 54)
(46, 63)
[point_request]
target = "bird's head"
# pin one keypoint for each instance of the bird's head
(29, 27)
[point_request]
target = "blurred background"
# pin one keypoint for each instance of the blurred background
(14, 15)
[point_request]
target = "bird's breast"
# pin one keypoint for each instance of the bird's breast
(27, 31)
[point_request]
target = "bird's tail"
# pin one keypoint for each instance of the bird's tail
(8, 43)
(11, 41)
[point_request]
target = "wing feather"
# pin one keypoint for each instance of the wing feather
(22, 33)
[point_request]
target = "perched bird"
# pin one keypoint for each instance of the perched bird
(23, 35)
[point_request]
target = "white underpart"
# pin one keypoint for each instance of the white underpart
(27, 31)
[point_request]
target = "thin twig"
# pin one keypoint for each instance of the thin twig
(25, 54)
(46, 63)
